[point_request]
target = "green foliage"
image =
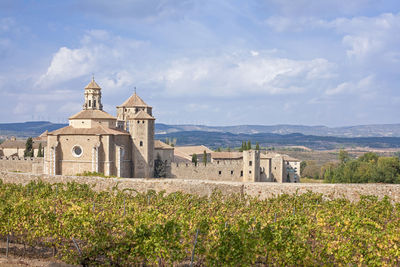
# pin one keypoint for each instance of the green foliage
(310, 169)
(160, 168)
(40, 153)
(114, 228)
(94, 174)
(257, 146)
(248, 145)
(29, 148)
(343, 156)
(194, 159)
(369, 168)
(205, 158)
(218, 149)
(303, 164)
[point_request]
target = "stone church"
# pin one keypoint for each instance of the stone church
(96, 141)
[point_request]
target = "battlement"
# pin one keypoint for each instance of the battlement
(23, 159)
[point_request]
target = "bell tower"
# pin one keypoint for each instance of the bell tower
(141, 129)
(92, 96)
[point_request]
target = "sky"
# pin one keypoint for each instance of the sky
(210, 62)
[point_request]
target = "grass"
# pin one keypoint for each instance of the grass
(95, 174)
(310, 180)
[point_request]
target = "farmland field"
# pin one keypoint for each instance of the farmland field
(81, 226)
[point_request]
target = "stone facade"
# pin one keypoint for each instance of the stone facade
(95, 141)
(246, 166)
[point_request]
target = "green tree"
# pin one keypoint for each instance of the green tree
(218, 149)
(303, 164)
(343, 156)
(257, 146)
(28, 148)
(40, 151)
(160, 168)
(229, 149)
(369, 157)
(205, 158)
(249, 145)
(194, 159)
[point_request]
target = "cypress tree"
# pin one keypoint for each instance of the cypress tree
(159, 168)
(194, 159)
(257, 146)
(248, 145)
(28, 148)
(39, 154)
(205, 158)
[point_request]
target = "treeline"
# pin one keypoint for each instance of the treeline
(369, 168)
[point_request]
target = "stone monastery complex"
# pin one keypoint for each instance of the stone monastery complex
(124, 146)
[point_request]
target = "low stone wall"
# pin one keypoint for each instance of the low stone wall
(205, 188)
(16, 164)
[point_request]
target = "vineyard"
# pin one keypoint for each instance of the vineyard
(127, 228)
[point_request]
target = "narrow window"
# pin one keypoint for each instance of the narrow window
(94, 103)
(138, 121)
(231, 172)
(250, 163)
(250, 172)
(90, 103)
(217, 161)
(219, 172)
(141, 143)
(241, 173)
(142, 121)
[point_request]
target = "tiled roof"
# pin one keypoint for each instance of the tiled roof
(98, 129)
(92, 85)
(134, 101)
(226, 155)
(161, 145)
(92, 114)
(190, 150)
(21, 144)
(142, 115)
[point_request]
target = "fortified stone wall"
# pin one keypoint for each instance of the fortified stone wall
(25, 165)
(216, 171)
(205, 188)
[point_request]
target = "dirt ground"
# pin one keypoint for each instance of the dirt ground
(31, 256)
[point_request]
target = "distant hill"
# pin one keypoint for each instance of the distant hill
(217, 139)
(315, 137)
(28, 129)
(377, 130)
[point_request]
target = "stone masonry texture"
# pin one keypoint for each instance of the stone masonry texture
(206, 187)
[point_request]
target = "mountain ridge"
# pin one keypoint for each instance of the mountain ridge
(34, 128)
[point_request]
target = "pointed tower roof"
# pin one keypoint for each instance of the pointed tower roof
(134, 101)
(141, 115)
(92, 85)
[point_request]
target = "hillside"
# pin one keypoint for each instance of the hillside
(217, 139)
(315, 137)
(378, 130)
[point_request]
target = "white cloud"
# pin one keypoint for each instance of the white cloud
(100, 53)
(235, 74)
(363, 86)
(362, 36)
